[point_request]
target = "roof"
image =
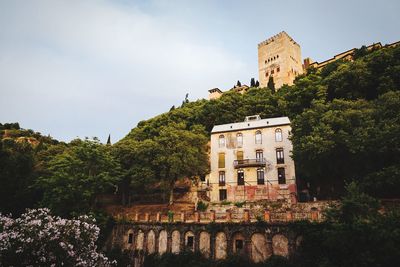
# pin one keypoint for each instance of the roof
(247, 125)
(215, 90)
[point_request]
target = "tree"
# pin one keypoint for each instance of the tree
(271, 84)
(137, 160)
(238, 84)
(109, 140)
(252, 83)
(180, 153)
(356, 234)
(17, 161)
(72, 179)
(186, 100)
(39, 239)
(257, 84)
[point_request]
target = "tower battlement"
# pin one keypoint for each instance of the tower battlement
(276, 36)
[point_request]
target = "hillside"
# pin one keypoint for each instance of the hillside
(345, 119)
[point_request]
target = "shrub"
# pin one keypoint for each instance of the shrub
(201, 206)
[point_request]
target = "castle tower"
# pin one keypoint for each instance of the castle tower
(279, 57)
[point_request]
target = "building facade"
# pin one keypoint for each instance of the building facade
(251, 161)
(279, 57)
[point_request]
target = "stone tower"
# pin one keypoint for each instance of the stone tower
(279, 57)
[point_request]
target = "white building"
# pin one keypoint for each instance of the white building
(251, 160)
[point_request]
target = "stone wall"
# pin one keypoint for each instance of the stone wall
(216, 240)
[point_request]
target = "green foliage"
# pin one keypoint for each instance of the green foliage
(271, 84)
(17, 163)
(72, 179)
(240, 204)
(355, 235)
(225, 203)
(201, 206)
(174, 151)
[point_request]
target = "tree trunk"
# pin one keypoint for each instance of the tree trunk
(171, 195)
(171, 192)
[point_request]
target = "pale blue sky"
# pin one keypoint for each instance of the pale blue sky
(93, 67)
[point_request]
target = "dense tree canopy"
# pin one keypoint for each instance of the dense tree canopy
(71, 180)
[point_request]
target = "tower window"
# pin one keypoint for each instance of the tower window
(239, 139)
(240, 177)
(222, 194)
(258, 137)
(280, 159)
(260, 176)
(281, 176)
(221, 140)
(278, 135)
(278, 70)
(221, 179)
(221, 160)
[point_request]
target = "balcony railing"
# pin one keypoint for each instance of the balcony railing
(261, 162)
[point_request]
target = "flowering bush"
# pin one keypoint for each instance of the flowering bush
(39, 239)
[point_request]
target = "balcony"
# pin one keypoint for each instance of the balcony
(243, 163)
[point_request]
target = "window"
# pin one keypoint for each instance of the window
(239, 155)
(222, 194)
(281, 176)
(280, 159)
(260, 176)
(277, 56)
(190, 242)
(240, 177)
(221, 141)
(221, 178)
(258, 137)
(259, 155)
(278, 70)
(130, 238)
(278, 135)
(221, 160)
(239, 139)
(272, 71)
(238, 245)
(266, 74)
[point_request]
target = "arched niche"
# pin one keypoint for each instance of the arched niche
(162, 242)
(220, 246)
(280, 245)
(204, 244)
(260, 250)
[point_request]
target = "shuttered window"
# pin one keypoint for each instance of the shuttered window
(221, 160)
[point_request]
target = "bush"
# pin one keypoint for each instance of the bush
(39, 239)
(201, 206)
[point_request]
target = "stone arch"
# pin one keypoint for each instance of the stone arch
(238, 243)
(280, 245)
(189, 240)
(140, 240)
(260, 250)
(204, 244)
(176, 242)
(162, 242)
(151, 242)
(221, 246)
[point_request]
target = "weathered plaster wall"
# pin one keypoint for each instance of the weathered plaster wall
(215, 240)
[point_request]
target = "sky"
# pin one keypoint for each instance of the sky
(90, 68)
